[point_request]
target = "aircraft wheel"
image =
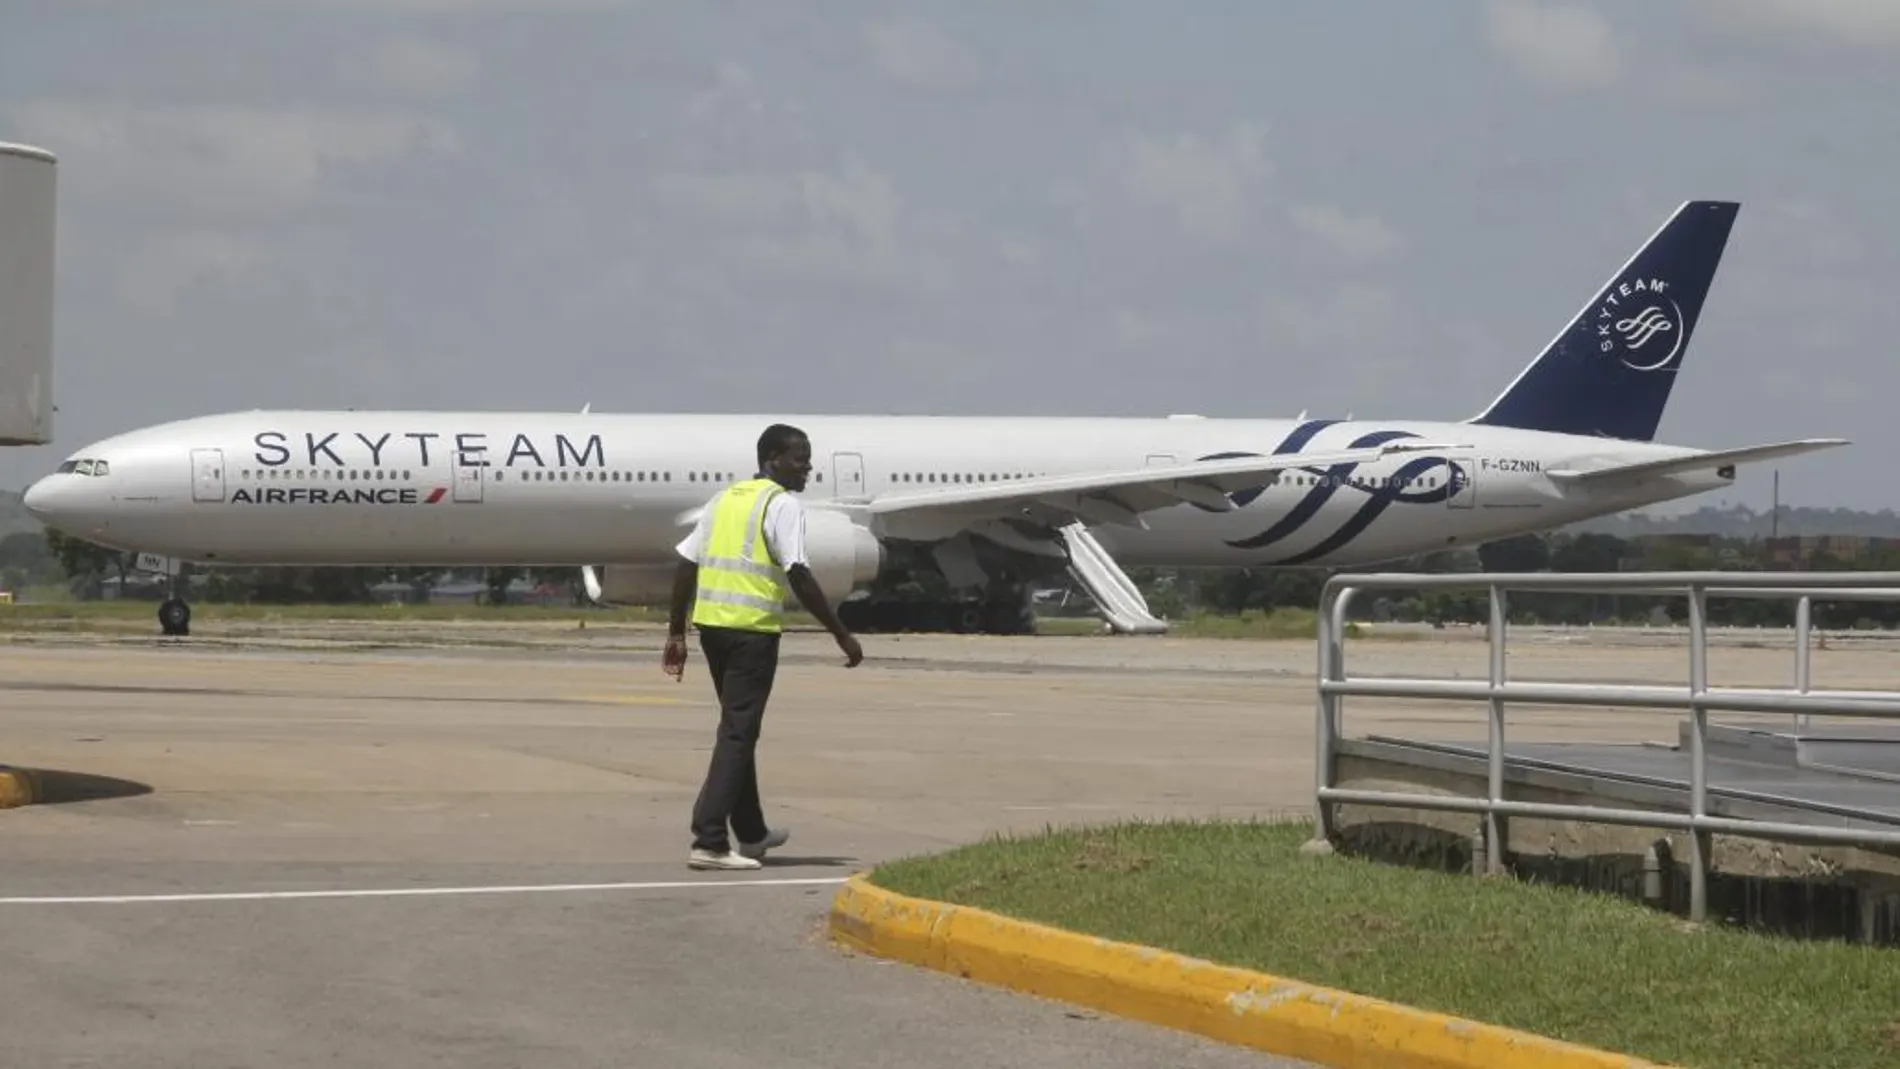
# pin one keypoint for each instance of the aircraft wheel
(174, 617)
(1003, 618)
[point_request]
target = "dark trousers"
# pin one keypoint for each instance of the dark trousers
(743, 665)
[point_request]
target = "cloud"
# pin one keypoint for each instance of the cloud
(222, 162)
(846, 225)
(918, 54)
(1358, 323)
(191, 194)
(1357, 238)
(857, 200)
(409, 66)
(1562, 46)
(1858, 23)
(727, 197)
(1210, 187)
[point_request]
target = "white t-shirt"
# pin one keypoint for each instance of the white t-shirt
(784, 531)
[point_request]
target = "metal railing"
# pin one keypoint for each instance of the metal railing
(1694, 696)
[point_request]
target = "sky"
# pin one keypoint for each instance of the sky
(1028, 207)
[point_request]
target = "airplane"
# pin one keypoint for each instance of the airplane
(991, 504)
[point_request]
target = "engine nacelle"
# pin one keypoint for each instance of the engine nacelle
(843, 554)
(634, 584)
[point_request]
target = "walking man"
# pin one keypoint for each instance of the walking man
(735, 566)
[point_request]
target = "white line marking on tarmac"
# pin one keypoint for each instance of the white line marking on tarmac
(403, 892)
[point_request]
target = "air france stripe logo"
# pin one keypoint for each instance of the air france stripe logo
(323, 495)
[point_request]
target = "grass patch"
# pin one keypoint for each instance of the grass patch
(1278, 623)
(1573, 965)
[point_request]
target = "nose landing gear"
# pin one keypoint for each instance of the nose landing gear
(174, 617)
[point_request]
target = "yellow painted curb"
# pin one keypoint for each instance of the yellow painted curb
(1284, 1017)
(16, 787)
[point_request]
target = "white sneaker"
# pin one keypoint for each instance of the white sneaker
(707, 859)
(774, 838)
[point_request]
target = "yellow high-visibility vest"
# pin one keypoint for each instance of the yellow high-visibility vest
(740, 586)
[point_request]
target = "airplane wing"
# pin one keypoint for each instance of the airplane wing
(1120, 496)
(1716, 459)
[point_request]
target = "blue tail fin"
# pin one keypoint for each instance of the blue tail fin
(1609, 373)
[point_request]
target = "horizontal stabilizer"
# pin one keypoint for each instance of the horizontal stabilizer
(1720, 458)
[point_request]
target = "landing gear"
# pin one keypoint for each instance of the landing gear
(174, 617)
(1000, 610)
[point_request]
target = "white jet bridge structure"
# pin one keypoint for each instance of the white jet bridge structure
(28, 213)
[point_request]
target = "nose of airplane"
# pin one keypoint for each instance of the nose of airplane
(56, 499)
(38, 499)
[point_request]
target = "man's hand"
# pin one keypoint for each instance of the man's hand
(685, 587)
(813, 598)
(853, 653)
(674, 659)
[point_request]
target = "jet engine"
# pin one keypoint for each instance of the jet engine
(630, 584)
(842, 553)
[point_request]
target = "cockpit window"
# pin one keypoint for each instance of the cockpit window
(84, 466)
(66, 468)
(100, 467)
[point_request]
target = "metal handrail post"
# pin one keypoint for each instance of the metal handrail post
(1494, 823)
(1803, 667)
(1699, 837)
(1324, 721)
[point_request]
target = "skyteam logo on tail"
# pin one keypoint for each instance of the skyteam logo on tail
(1609, 372)
(1640, 324)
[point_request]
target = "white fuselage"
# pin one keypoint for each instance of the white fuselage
(499, 488)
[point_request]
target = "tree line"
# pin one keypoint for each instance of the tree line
(1176, 592)
(32, 558)
(50, 557)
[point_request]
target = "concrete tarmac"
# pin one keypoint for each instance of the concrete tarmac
(524, 779)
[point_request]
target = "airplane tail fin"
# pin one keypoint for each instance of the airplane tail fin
(27, 210)
(1608, 374)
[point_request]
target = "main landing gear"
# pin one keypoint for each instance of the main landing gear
(1001, 610)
